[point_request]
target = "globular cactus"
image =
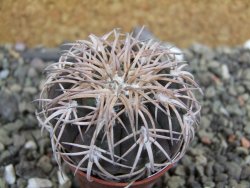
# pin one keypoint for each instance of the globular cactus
(119, 108)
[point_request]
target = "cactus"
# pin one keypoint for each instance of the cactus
(119, 108)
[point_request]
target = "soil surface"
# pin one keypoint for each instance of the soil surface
(50, 22)
(218, 156)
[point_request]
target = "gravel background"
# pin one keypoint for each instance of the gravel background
(218, 157)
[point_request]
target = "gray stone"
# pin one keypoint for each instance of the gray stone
(210, 92)
(45, 164)
(218, 168)
(8, 105)
(30, 90)
(247, 128)
(232, 90)
(30, 145)
(186, 161)
(19, 46)
(205, 122)
(246, 74)
(232, 183)
(18, 140)
(3, 183)
(221, 184)
(9, 174)
(175, 182)
(201, 160)
(32, 73)
(244, 184)
(214, 64)
(13, 127)
(209, 184)
(247, 159)
(21, 183)
(15, 88)
(225, 72)
(38, 64)
(4, 74)
(5, 138)
(235, 110)
(245, 174)
(233, 169)
(39, 183)
(180, 170)
(27, 170)
(240, 89)
(200, 170)
(221, 177)
(1, 147)
(242, 151)
(195, 184)
(209, 169)
(247, 44)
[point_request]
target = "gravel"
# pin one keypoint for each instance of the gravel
(9, 174)
(218, 156)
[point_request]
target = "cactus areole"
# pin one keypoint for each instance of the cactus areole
(118, 108)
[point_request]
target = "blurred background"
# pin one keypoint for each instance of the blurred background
(50, 22)
(214, 38)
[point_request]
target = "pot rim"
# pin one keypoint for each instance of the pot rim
(140, 182)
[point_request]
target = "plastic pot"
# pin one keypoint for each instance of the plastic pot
(100, 183)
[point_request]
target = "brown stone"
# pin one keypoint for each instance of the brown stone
(245, 142)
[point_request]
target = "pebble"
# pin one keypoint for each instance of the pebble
(8, 104)
(232, 183)
(9, 174)
(19, 46)
(234, 169)
(209, 169)
(30, 145)
(32, 73)
(5, 138)
(175, 182)
(186, 160)
(210, 92)
(13, 127)
(209, 184)
(4, 74)
(200, 170)
(21, 183)
(225, 72)
(180, 170)
(1, 146)
(242, 151)
(3, 183)
(205, 122)
(245, 143)
(15, 88)
(38, 64)
(244, 184)
(201, 160)
(63, 179)
(247, 44)
(45, 164)
(18, 140)
(245, 174)
(246, 74)
(27, 169)
(247, 160)
(221, 177)
(39, 183)
(30, 90)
